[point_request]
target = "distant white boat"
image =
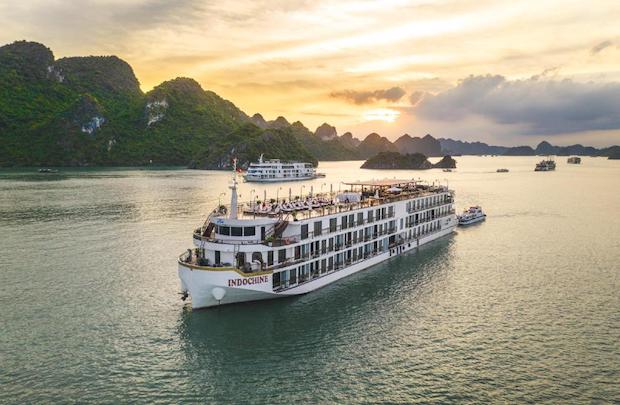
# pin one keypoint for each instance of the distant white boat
(471, 216)
(574, 160)
(275, 170)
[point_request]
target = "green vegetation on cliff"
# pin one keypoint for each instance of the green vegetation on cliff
(91, 111)
(413, 161)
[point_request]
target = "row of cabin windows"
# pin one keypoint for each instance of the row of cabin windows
(329, 245)
(309, 271)
(424, 229)
(236, 230)
(348, 221)
(413, 220)
(427, 202)
(338, 241)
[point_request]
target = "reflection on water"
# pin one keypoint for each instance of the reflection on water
(521, 308)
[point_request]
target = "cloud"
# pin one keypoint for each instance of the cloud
(600, 46)
(416, 97)
(366, 97)
(532, 106)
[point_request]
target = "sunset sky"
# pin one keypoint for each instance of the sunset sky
(504, 72)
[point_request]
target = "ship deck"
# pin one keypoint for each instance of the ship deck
(374, 194)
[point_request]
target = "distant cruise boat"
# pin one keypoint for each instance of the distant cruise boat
(545, 166)
(275, 170)
(574, 160)
(472, 215)
(502, 170)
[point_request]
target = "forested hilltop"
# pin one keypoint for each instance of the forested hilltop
(86, 111)
(91, 111)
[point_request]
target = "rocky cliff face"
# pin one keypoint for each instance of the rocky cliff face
(395, 160)
(259, 121)
(427, 145)
(374, 144)
(326, 132)
(279, 123)
(447, 162)
(348, 141)
(105, 76)
(408, 161)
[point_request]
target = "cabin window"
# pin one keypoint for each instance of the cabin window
(370, 216)
(292, 276)
(360, 218)
(317, 228)
(284, 278)
(270, 258)
(240, 259)
(332, 224)
(236, 231)
(304, 231)
(281, 255)
(391, 210)
(276, 280)
(224, 230)
(344, 222)
(218, 257)
(297, 252)
(249, 231)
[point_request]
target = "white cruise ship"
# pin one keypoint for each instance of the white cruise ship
(244, 252)
(275, 170)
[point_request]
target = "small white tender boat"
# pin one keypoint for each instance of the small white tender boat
(471, 216)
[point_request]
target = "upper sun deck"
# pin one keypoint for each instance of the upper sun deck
(362, 194)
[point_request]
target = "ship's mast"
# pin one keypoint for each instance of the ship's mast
(233, 195)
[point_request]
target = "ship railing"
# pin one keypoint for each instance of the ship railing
(213, 239)
(277, 242)
(338, 207)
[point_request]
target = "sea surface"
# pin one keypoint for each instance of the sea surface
(523, 308)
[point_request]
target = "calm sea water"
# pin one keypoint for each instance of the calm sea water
(524, 308)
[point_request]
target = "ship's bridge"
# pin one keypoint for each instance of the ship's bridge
(220, 228)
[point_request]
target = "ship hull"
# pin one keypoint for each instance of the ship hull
(213, 288)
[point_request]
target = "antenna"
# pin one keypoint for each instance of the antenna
(233, 195)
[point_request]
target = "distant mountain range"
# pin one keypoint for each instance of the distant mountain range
(452, 147)
(91, 111)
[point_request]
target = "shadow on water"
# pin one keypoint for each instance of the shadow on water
(313, 327)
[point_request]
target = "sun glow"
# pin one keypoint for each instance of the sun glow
(381, 114)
